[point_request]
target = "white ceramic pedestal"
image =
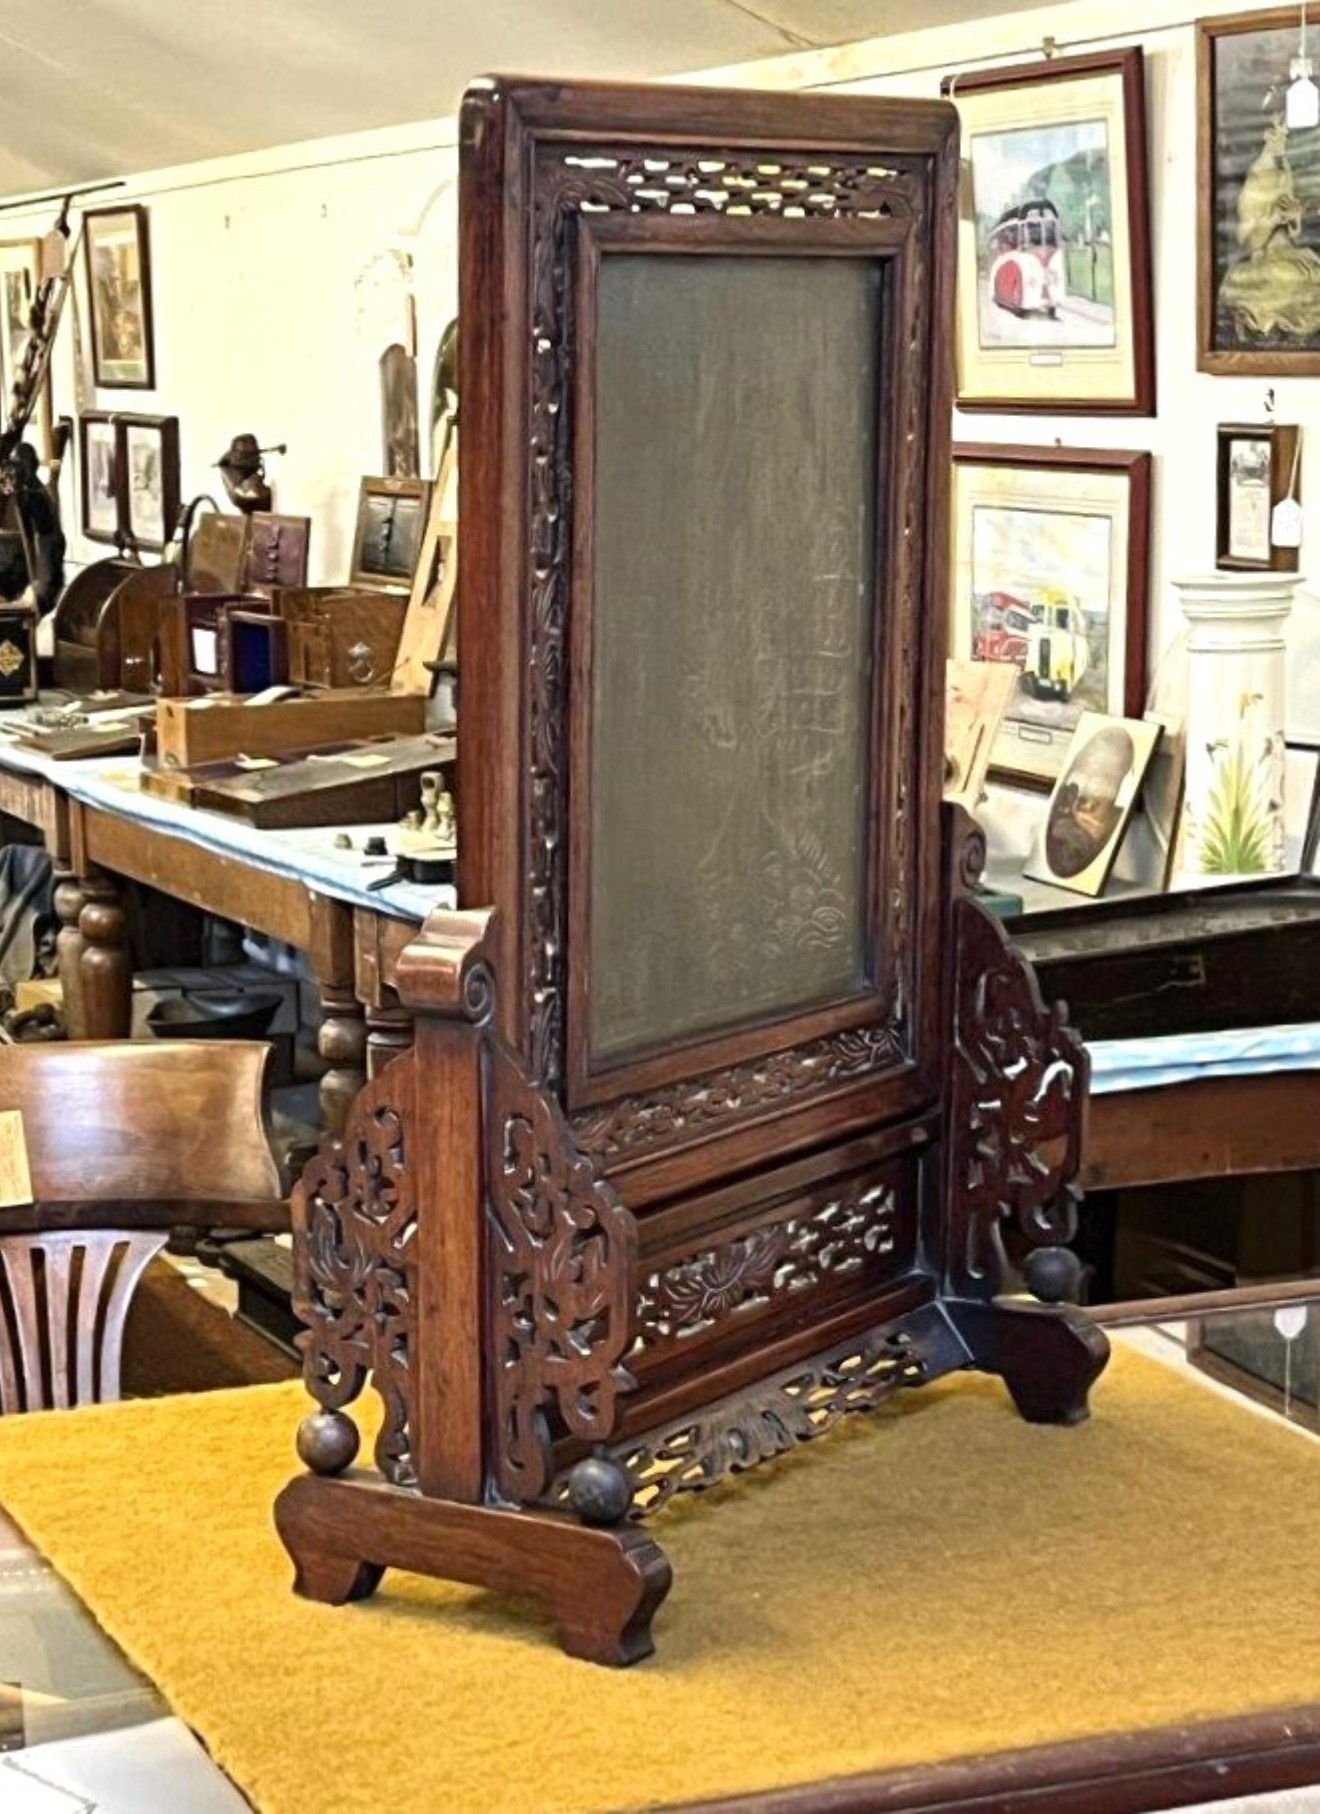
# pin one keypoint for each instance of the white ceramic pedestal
(1232, 823)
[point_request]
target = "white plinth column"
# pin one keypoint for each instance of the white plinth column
(1233, 805)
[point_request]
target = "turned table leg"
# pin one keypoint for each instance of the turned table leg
(69, 903)
(105, 970)
(342, 1042)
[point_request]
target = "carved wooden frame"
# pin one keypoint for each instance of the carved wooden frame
(608, 180)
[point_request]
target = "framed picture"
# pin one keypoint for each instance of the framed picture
(20, 279)
(391, 520)
(148, 451)
(119, 288)
(1258, 228)
(1049, 574)
(1092, 802)
(1257, 468)
(104, 505)
(1054, 286)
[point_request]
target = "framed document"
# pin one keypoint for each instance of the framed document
(1258, 468)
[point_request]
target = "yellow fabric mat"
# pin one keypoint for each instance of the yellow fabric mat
(933, 1580)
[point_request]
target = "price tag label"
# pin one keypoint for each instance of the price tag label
(15, 1178)
(1286, 524)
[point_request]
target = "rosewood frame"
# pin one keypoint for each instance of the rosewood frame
(574, 1306)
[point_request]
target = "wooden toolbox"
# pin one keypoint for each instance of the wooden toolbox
(364, 781)
(216, 729)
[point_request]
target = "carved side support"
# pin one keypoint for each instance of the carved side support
(1017, 1085)
(355, 1279)
(562, 1250)
(391, 1256)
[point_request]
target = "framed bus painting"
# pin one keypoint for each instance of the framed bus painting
(1049, 573)
(1054, 286)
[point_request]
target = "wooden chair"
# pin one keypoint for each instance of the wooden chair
(124, 1141)
(730, 1113)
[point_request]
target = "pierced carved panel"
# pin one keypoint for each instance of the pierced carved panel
(694, 1105)
(355, 1266)
(791, 1408)
(1017, 1088)
(697, 182)
(561, 1256)
(852, 1232)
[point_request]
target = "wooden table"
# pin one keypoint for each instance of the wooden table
(98, 840)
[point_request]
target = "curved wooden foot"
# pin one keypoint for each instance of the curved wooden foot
(1048, 1355)
(602, 1587)
(334, 1579)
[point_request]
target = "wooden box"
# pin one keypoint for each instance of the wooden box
(367, 781)
(341, 636)
(192, 731)
(108, 625)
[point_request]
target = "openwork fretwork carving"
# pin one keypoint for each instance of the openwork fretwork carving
(698, 1103)
(355, 1211)
(561, 1255)
(698, 182)
(791, 1408)
(767, 1265)
(1018, 1081)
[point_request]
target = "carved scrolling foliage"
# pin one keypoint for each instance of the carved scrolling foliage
(355, 1220)
(1017, 1090)
(561, 1257)
(792, 1408)
(767, 1265)
(694, 182)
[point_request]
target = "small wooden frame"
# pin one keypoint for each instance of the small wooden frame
(391, 523)
(119, 286)
(102, 491)
(148, 452)
(1257, 466)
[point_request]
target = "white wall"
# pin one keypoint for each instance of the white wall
(1190, 403)
(261, 322)
(255, 262)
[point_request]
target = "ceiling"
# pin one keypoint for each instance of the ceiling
(129, 85)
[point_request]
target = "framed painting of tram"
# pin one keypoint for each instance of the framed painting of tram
(1258, 187)
(1054, 284)
(1049, 574)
